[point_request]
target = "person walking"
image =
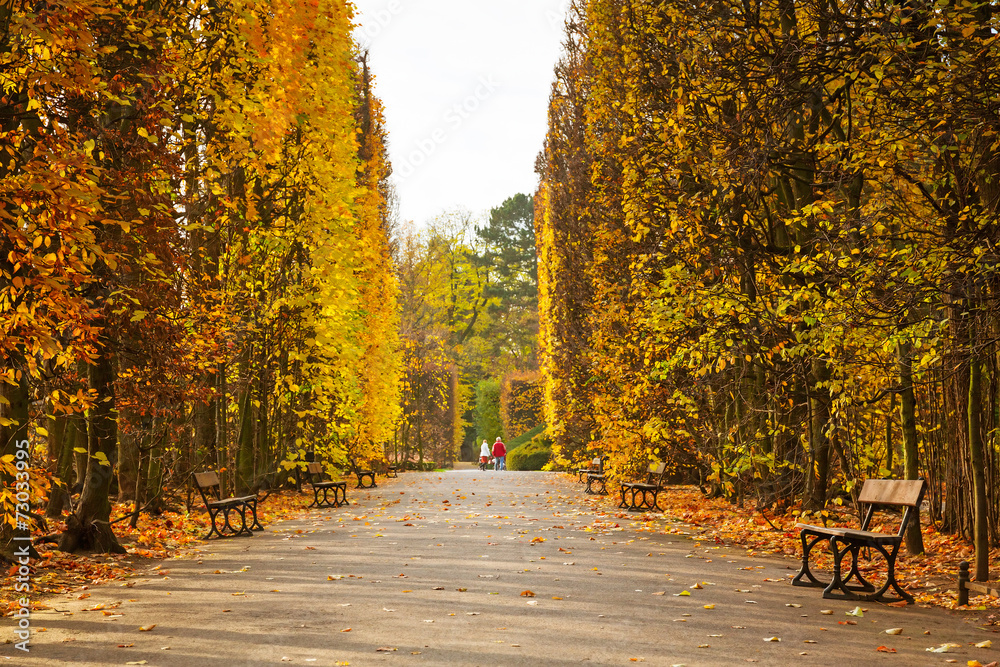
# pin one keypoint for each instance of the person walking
(484, 455)
(499, 455)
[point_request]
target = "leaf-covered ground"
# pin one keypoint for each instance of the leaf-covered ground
(158, 537)
(930, 578)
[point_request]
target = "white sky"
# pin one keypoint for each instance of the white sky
(465, 85)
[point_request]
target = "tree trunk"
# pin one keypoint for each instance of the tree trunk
(89, 527)
(128, 464)
(244, 455)
(17, 411)
(976, 454)
(820, 404)
(62, 439)
(908, 422)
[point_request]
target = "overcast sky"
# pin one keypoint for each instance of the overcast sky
(465, 85)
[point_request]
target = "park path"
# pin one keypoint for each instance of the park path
(436, 569)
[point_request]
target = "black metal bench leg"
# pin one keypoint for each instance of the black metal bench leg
(656, 501)
(212, 514)
(804, 571)
(242, 514)
(836, 589)
(252, 506)
(891, 581)
(855, 573)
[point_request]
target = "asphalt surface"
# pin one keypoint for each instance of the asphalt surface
(474, 568)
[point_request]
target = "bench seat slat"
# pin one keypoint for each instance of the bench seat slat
(880, 538)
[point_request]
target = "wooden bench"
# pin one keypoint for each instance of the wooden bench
(875, 494)
(392, 470)
(648, 489)
(362, 476)
(596, 468)
(321, 486)
(209, 487)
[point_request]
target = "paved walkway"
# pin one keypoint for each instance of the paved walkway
(472, 568)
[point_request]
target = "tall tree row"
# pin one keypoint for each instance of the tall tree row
(196, 270)
(783, 216)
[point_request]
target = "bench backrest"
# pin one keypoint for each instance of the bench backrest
(208, 481)
(900, 492)
(314, 468)
(908, 493)
(656, 472)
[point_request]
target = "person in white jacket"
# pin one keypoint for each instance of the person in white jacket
(484, 455)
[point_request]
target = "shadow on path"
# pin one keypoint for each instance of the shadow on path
(478, 568)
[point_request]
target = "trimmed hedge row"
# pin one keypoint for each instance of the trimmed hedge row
(529, 451)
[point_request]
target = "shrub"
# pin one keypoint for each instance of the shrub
(532, 455)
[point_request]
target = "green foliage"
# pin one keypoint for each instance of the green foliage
(532, 455)
(525, 437)
(487, 412)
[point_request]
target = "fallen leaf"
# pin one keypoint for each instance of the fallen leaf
(527, 594)
(792, 604)
(885, 649)
(346, 630)
(147, 628)
(856, 612)
(126, 645)
(709, 606)
(944, 648)
(894, 631)
(826, 612)
(772, 639)
(985, 644)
